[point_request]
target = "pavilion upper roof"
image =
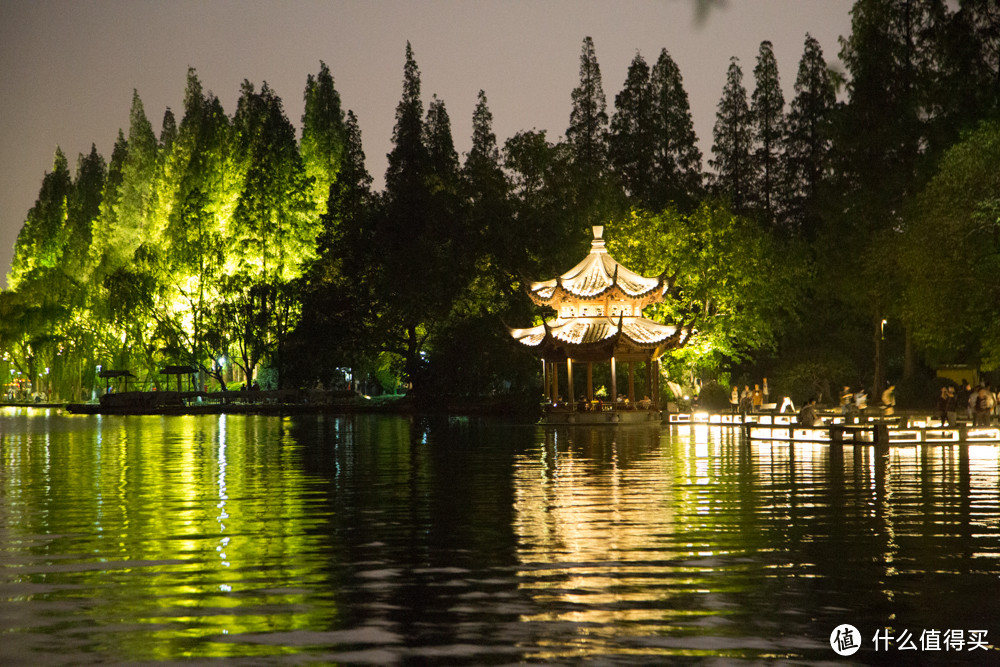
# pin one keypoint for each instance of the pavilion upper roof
(596, 275)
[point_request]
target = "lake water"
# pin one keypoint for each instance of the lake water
(374, 539)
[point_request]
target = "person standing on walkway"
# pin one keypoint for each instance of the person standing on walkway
(952, 407)
(807, 416)
(942, 407)
(889, 401)
(984, 407)
(962, 395)
(746, 400)
(846, 401)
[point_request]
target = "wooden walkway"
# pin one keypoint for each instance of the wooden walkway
(836, 430)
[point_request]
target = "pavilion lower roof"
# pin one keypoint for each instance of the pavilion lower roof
(636, 332)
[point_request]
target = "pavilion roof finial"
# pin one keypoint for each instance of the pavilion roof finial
(597, 245)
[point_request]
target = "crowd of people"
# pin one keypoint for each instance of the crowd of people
(978, 403)
(750, 400)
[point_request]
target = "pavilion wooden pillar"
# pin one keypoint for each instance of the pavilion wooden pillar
(614, 381)
(649, 377)
(569, 381)
(590, 382)
(546, 385)
(656, 383)
(631, 382)
(555, 382)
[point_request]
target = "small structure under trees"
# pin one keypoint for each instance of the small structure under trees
(599, 305)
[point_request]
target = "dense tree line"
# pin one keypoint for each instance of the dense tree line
(848, 236)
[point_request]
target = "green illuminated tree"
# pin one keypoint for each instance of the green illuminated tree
(730, 281)
(340, 309)
(274, 227)
(168, 131)
(196, 196)
(951, 254)
(83, 209)
(323, 134)
(42, 239)
(127, 220)
(127, 238)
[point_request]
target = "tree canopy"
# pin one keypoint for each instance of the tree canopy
(848, 237)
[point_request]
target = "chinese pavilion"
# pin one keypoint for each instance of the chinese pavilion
(598, 306)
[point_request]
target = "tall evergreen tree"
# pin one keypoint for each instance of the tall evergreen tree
(631, 146)
(408, 261)
(130, 222)
(678, 158)
(84, 207)
(42, 239)
(487, 193)
(966, 87)
(323, 133)
(807, 141)
(127, 244)
(275, 225)
(482, 174)
(442, 158)
(197, 203)
(350, 200)
(588, 120)
(733, 135)
(767, 113)
(490, 212)
(407, 161)
(339, 296)
(882, 142)
(449, 238)
(273, 235)
(168, 132)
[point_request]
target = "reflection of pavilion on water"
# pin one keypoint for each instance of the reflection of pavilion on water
(598, 306)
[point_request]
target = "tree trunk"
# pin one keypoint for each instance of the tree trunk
(908, 362)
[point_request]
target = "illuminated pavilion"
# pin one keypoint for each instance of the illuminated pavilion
(599, 319)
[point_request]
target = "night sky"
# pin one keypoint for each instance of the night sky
(68, 68)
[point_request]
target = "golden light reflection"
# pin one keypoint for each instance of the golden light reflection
(606, 546)
(603, 541)
(231, 532)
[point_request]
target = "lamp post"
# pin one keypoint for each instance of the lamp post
(879, 379)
